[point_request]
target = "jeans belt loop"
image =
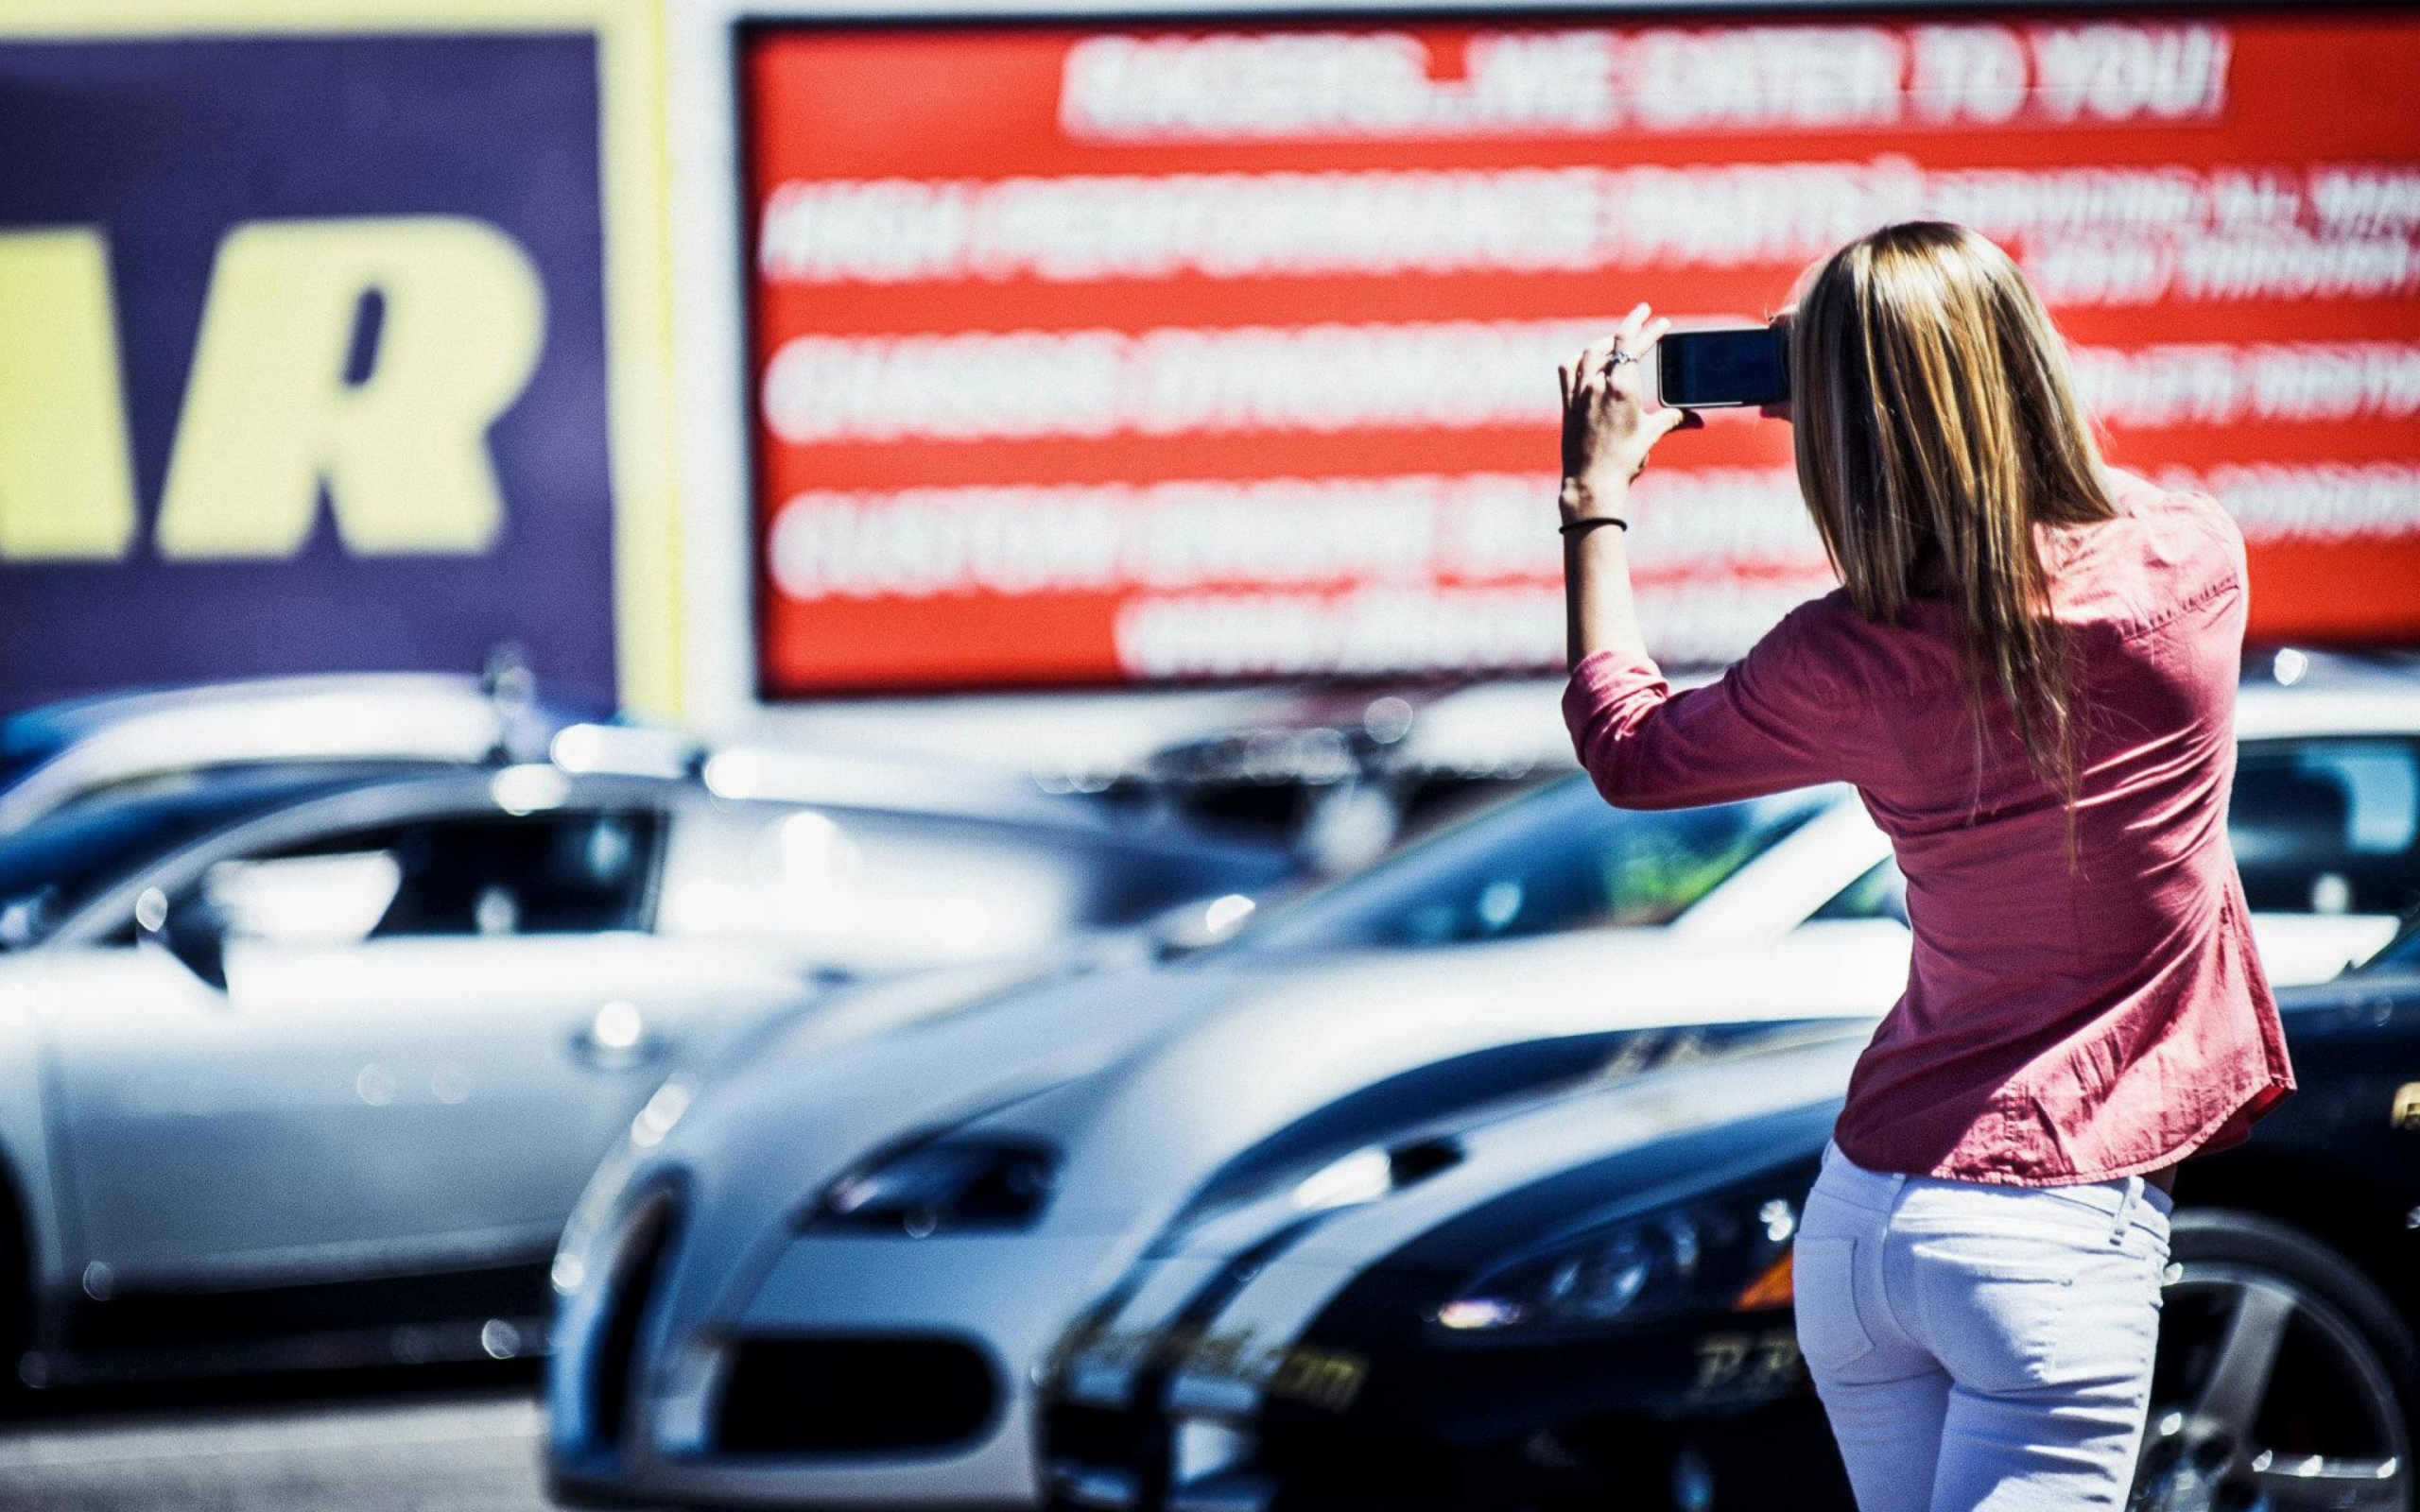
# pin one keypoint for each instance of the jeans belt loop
(2132, 1194)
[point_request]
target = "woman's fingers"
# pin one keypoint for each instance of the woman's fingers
(1630, 339)
(1607, 425)
(1624, 380)
(1632, 386)
(1592, 357)
(1607, 428)
(1626, 334)
(1625, 337)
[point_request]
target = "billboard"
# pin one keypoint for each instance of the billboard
(319, 340)
(1174, 352)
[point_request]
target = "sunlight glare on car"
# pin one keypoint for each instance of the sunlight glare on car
(522, 791)
(1360, 1176)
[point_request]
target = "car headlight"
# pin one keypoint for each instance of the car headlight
(942, 1184)
(1728, 1254)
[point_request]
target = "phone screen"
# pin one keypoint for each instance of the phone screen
(1706, 370)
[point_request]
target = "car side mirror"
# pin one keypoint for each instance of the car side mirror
(194, 930)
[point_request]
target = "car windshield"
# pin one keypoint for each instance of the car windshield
(2401, 956)
(59, 863)
(1553, 860)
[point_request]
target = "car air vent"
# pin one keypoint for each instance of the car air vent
(1121, 1437)
(638, 1264)
(1411, 1099)
(1417, 1161)
(857, 1394)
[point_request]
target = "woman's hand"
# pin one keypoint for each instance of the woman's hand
(1607, 428)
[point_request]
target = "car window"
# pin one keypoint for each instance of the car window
(327, 773)
(2402, 954)
(1132, 884)
(68, 859)
(306, 900)
(1881, 893)
(1557, 859)
(873, 890)
(561, 871)
(2328, 826)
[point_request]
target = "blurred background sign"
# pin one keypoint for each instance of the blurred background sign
(1103, 355)
(314, 341)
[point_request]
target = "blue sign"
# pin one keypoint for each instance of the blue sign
(302, 359)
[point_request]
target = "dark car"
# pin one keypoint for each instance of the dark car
(1583, 1299)
(61, 754)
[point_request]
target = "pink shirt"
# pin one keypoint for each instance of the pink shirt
(2055, 1028)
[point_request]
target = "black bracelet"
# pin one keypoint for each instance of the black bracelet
(1571, 527)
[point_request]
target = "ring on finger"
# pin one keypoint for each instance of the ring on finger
(1619, 357)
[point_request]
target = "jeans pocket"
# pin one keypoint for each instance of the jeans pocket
(1824, 1284)
(1992, 1307)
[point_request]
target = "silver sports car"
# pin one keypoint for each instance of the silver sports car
(832, 1284)
(300, 1068)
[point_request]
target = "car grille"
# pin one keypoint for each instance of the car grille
(849, 1395)
(637, 1267)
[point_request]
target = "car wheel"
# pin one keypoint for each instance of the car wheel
(2285, 1379)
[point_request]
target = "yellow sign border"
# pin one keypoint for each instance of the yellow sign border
(634, 162)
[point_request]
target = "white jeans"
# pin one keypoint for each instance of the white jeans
(1976, 1346)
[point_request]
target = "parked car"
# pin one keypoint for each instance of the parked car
(1582, 1298)
(833, 1284)
(59, 753)
(299, 1067)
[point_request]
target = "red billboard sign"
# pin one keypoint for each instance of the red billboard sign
(1112, 355)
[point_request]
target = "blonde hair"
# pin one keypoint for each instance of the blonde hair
(1936, 427)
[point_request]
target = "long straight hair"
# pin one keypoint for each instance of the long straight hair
(1936, 425)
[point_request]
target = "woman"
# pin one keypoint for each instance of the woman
(2028, 672)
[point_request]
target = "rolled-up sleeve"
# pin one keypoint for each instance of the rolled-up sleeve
(1773, 721)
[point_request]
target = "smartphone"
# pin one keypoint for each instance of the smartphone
(1717, 369)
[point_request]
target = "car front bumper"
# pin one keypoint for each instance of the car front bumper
(874, 1371)
(1357, 1407)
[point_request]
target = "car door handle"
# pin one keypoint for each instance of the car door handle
(617, 1037)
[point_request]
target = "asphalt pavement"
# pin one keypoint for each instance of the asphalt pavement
(339, 1448)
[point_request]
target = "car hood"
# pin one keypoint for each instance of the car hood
(816, 1097)
(1563, 1162)
(1150, 1080)
(1340, 1047)
(1064, 1057)
(1754, 1109)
